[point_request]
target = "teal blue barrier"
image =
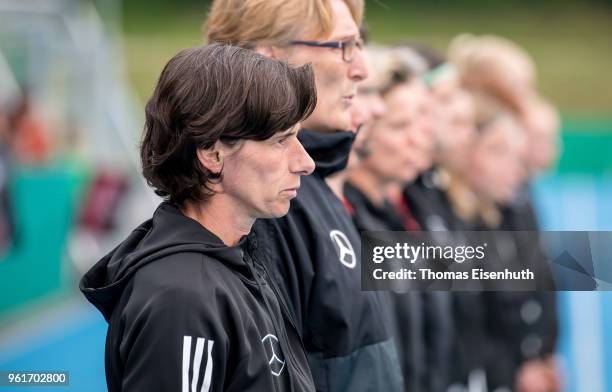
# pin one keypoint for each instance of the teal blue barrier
(586, 146)
(45, 202)
(581, 202)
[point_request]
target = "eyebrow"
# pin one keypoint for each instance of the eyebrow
(347, 37)
(289, 132)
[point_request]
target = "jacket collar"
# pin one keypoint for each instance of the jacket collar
(330, 151)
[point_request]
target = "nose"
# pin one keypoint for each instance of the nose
(358, 68)
(300, 162)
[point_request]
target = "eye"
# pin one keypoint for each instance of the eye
(283, 140)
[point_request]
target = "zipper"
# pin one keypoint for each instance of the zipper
(285, 314)
(288, 315)
(281, 300)
(272, 314)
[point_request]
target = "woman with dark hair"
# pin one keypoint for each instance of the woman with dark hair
(189, 307)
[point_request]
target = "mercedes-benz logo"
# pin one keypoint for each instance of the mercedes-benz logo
(345, 250)
(272, 347)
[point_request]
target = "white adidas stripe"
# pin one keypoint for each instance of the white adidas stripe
(192, 385)
(186, 358)
(196, 364)
(209, 368)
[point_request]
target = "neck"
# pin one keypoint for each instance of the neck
(336, 183)
(222, 217)
(370, 184)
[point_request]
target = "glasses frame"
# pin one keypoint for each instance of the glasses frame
(344, 45)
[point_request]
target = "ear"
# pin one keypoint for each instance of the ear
(265, 50)
(272, 51)
(211, 158)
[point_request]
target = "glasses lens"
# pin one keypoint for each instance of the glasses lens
(348, 51)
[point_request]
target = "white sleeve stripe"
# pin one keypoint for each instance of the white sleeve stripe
(197, 360)
(186, 359)
(209, 368)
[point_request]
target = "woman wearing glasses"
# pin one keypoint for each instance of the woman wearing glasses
(188, 304)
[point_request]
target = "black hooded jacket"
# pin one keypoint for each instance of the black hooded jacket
(186, 312)
(315, 255)
(421, 320)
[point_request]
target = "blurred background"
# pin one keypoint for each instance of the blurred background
(74, 77)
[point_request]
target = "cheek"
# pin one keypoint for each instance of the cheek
(254, 177)
(398, 156)
(486, 168)
(465, 135)
(270, 173)
(329, 79)
(387, 147)
(241, 180)
(497, 168)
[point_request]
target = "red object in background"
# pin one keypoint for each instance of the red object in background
(100, 206)
(349, 208)
(28, 135)
(31, 142)
(410, 223)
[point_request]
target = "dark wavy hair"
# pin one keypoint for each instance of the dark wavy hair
(210, 93)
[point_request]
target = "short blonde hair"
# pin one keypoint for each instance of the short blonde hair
(482, 63)
(473, 54)
(249, 22)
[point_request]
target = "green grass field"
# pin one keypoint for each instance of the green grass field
(572, 45)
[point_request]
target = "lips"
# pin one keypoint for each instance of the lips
(292, 192)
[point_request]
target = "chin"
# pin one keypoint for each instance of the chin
(409, 177)
(504, 198)
(343, 121)
(279, 211)
(347, 127)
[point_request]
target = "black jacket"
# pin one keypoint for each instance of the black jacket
(519, 325)
(185, 310)
(528, 321)
(315, 254)
(426, 198)
(422, 321)
(495, 331)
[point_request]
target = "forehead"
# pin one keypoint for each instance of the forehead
(408, 93)
(344, 25)
(505, 132)
(462, 102)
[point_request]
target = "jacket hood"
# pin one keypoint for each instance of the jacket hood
(330, 151)
(168, 232)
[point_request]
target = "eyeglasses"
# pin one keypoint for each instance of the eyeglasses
(348, 47)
